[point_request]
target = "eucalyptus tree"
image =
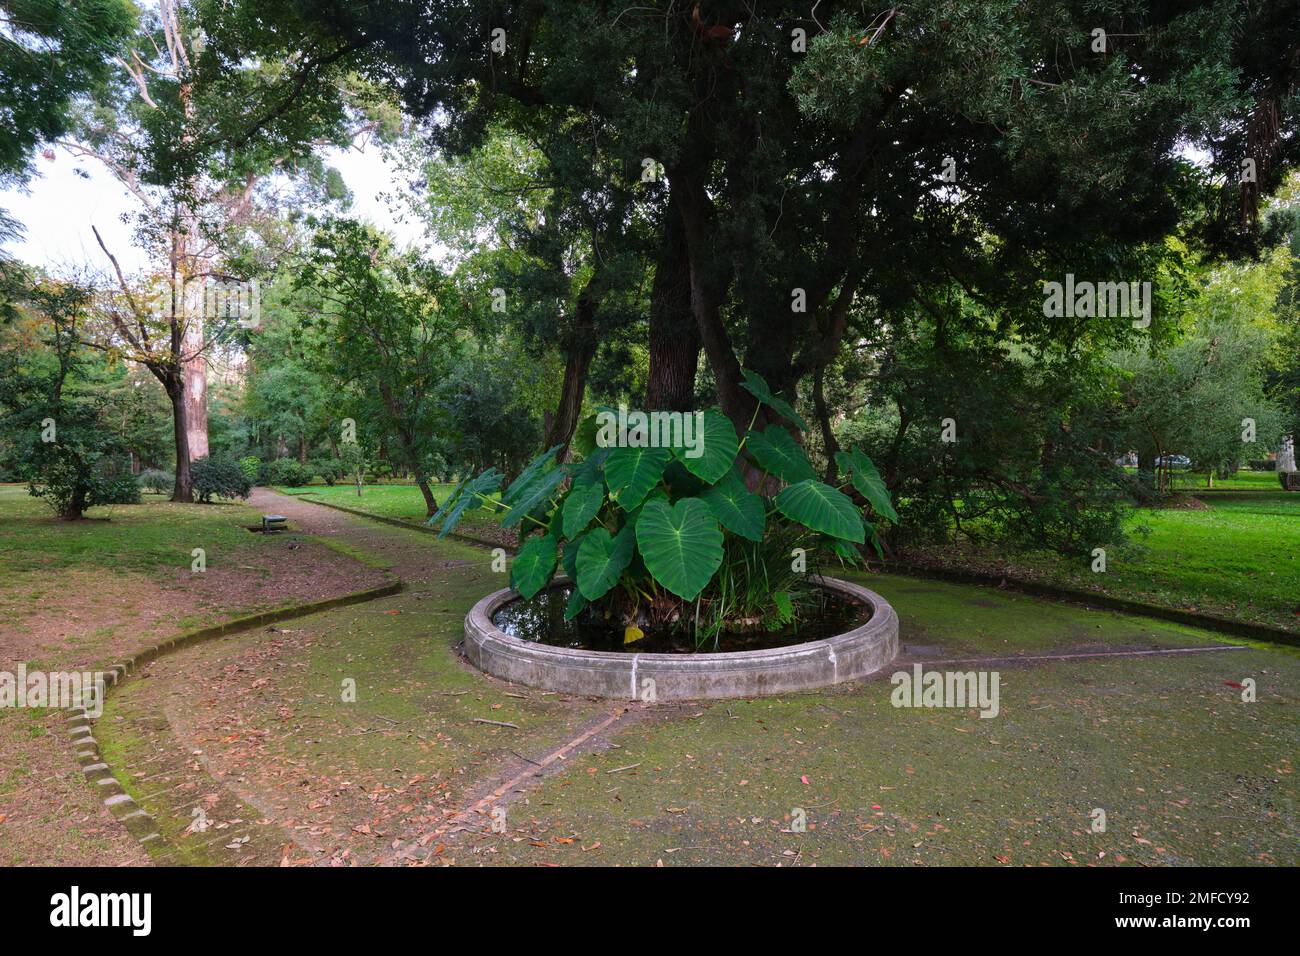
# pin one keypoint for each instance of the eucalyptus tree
(191, 128)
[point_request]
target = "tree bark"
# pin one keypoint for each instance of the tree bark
(579, 354)
(829, 444)
(196, 388)
(674, 337)
(76, 506)
(430, 503)
(183, 489)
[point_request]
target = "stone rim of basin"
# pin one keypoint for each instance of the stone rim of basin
(653, 677)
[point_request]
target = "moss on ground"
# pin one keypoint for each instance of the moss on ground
(1185, 771)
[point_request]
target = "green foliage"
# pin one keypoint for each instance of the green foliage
(602, 558)
(157, 481)
(220, 477)
(289, 472)
(779, 454)
(821, 508)
(71, 480)
(50, 51)
(755, 385)
(643, 536)
(328, 467)
(681, 545)
(251, 466)
(533, 565)
(55, 422)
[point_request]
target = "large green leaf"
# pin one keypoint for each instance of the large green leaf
(862, 471)
(573, 607)
(739, 509)
(585, 497)
(447, 502)
(716, 442)
(538, 491)
(680, 544)
(533, 565)
(601, 559)
(776, 451)
(520, 487)
(632, 472)
(466, 499)
(569, 560)
(754, 384)
(822, 508)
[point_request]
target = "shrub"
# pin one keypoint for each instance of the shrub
(288, 472)
(329, 468)
(118, 490)
(251, 466)
(71, 482)
(156, 480)
(672, 536)
(221, 476)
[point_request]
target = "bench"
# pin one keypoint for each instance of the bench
(274, 523)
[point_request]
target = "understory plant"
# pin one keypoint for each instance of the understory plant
(675, 536)
(220, 477)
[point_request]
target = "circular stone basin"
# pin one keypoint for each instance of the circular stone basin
(633, 676)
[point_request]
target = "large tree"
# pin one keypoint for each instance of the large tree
(195, 134)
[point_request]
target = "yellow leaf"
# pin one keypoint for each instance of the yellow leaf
(632, 634)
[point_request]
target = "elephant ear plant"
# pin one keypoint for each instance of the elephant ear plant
(657, 527)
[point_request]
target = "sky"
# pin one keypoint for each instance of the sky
(58, 208)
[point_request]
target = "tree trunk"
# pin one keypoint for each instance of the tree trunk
(182, 490)
(76, 506)
(829, 444)
(1286, 454)
(581, 350)
(674, 335)
(430, 503)
(196, 391)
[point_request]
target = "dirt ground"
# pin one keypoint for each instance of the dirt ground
(81, 618)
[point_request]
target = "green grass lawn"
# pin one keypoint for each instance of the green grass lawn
(139, 537)
(1238, 558)
(391, 501)
(1243, 480)
(404, 502)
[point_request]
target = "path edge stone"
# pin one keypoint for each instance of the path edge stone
(80, 724)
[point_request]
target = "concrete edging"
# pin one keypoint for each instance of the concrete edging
(79, 723)
(849, 656)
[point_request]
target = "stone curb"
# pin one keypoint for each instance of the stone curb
(79, 722)
(622, 676)
(1206, 622)
(399, 522)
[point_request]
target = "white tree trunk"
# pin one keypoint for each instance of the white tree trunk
(1286, 454)
(194, 362)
